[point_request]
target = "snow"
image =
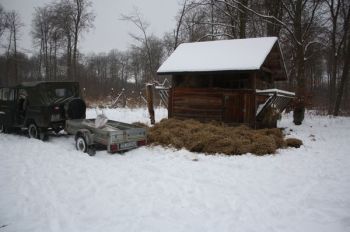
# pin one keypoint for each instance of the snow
(278, 91)
(49, 186)
(128, 115)
(222, 55)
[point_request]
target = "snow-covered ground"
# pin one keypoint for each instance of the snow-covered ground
(49, 186)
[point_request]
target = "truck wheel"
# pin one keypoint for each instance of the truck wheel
(43, 134)
(2, 128)
(33, 131)
(80, 144)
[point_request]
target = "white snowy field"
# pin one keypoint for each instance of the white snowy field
(49, 186)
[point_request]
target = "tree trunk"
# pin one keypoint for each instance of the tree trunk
(74, 74)
(79, 9)
(274, 8)
(15, 54)
(47, 69)
(232, 20)
(344, 78)
(299, 107)
(55, 61)
(179, 23)
(243, 20)
(69, 59)
(212, 20)
(333, 56)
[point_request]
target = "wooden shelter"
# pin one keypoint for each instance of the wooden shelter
(228, 80)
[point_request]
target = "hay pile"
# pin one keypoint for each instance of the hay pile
(215, 137)
(292, 142)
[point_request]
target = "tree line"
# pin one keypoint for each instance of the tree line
(314, 36)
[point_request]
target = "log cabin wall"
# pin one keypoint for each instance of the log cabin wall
(227, 97)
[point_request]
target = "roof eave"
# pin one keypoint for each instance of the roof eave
(205, 71)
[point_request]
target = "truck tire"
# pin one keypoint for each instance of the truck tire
(2, 128)
(80, 144)
(33, 131)
(43, 134)
(75, 109)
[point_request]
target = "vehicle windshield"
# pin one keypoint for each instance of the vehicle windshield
(60, 92)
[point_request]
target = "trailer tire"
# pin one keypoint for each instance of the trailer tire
(91, 150)
(80, 144)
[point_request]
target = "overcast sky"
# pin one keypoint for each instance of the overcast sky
(109, 32)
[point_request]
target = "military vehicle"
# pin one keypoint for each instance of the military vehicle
(40, 107)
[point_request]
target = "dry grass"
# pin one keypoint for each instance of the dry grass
(293, 142)
(211, 138)
(140, 124)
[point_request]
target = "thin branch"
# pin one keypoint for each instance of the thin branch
(214, 35)
(268, 17)
(311, 20)
(287, 10)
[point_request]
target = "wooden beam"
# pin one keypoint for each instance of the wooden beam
(149, 91)
(265, 69)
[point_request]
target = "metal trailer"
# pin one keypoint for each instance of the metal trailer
(116, 136)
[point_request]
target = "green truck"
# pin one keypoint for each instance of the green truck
(40, 107)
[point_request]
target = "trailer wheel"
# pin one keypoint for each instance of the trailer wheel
(81, 144)
(91, 150)
(33, 131)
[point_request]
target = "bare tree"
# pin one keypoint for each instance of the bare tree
(334, 10)
(62, 17)
(41, 35)
(179, 23)
(83, 18)
(142, 25)
(70, 18)
(275, 9)
(14, 24)
(3, 21)
(345, 13)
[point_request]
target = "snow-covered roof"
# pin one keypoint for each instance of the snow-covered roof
(277, 91)
(221, 55)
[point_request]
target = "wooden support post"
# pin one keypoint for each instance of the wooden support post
(149, 92)
(253, 102)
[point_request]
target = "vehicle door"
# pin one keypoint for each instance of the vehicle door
(7, 107)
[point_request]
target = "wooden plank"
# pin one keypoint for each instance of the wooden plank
(198, 117)
(170, 103)
(209, 104)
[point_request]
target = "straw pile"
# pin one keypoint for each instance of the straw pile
(211, 138)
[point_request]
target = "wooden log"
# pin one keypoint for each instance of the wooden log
(149, 92)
